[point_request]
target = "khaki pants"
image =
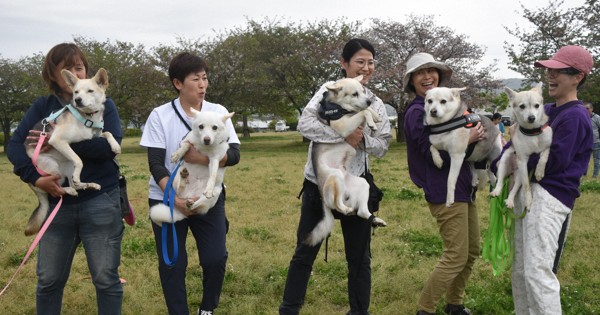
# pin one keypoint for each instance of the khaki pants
(459, 229)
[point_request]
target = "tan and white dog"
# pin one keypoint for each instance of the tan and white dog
(89, 96)
(340, 190)
(530, 135)
(443, 105)
(209, 136)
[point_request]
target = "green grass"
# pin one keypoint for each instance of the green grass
(263, 212)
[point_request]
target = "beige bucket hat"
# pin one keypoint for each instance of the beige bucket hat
(422, 61)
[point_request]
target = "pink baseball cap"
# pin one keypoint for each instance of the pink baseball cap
(569, 57)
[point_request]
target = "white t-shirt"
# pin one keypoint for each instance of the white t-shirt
(164, 130)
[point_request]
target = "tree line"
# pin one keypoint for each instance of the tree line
(275, 66)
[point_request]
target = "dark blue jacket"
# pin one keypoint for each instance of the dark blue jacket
(97, 157)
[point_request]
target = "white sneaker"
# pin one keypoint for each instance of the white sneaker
(203, 312)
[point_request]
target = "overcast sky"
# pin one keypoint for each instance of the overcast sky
(31, 26)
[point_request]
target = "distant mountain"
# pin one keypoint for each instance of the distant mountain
(514, 83)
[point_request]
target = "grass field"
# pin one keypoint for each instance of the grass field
(263, 212)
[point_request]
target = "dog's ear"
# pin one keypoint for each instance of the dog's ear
(229, 115)
(359, 78)
(194, 112)
(537, 88)
(334, 88)
(511, 94)
(456, 91)
(101, 78)
(69, 78)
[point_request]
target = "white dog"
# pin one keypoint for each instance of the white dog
(531, 135)
(71, 127)
(209, 136)
(339, 189)
(444, 111)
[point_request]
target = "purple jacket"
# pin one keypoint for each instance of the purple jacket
(572, 142)
(422, 171)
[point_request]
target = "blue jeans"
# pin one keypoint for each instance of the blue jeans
(97, 224)
(596, 155)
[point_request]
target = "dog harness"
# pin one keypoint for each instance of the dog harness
(331, 111)
(467, 120)
(534, 131)
(86, 122)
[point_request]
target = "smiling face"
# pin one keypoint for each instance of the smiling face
(361, 63)
(424, 80)
(562, 86)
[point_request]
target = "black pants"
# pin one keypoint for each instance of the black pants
(209, 231)
(357, 241)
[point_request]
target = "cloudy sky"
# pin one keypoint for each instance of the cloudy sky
(31, 26)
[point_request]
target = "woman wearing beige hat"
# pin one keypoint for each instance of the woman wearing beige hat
(535, 288)
(458, 224)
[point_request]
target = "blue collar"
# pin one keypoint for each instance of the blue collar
(86, 122)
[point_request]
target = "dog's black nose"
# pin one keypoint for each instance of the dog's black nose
(433, 112)
(531, 118)
(369, 102)
(78, 102)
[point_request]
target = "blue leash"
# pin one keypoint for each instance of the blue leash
(169, 199)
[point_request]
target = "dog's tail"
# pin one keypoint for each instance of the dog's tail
(39, 214)
(161, 213)
(322, 229)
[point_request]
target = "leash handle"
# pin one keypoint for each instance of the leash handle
(169, 199)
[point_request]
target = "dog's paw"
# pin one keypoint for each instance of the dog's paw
(175, 158)
(449, 202)
(209, 193)
(378, 222)
(184, 173)
(437, 160)
(495, 193)
(539, 173)
(116, 149)
(528, 201)
(80, 186)
(189, 204)
(510, 204)
(70, 191)
(372, 127)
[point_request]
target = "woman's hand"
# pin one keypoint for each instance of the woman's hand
(477, 133)
(34, 138)
(192, 156)
(355, 138)
(50, 185)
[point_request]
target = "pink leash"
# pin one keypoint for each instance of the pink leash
(48, 221)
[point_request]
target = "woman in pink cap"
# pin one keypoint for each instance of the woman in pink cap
(536, 289)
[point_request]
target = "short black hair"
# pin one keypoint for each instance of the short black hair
(183, 64)
(496, 116)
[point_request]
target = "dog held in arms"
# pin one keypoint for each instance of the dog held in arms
(447, 119)
(531, 135)
(209, 136)
(340, 190)
(89, 96)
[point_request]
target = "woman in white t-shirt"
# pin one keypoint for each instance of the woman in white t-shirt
(164, 129)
